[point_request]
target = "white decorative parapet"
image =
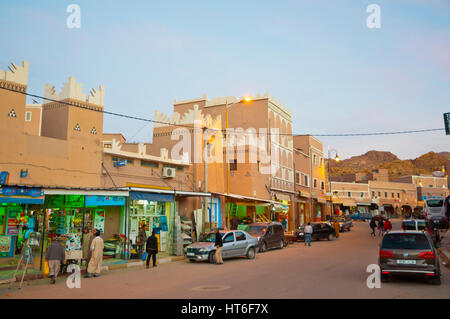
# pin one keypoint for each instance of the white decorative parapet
(73, 90)
(16, 74)
(192, 116)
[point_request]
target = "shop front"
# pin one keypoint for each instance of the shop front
(154, 212)
(302, 214)
(20, 223)
(363, 207)
(346, 206)
(68, 212)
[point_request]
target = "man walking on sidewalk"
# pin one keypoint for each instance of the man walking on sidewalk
(218, 243)
(55, 256)
(308, 232)
(95, 264)
(373, 225)
(152, 249)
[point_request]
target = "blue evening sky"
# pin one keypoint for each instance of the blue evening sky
(317, 57)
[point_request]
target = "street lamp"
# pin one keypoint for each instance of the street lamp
(337, 159)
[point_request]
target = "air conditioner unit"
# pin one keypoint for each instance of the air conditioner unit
(169, 172)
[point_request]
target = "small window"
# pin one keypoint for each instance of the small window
(398, 195)
(362, 195)
(315, 183)
(349, 194)
(297, 178)
(379, 194)
(307, 180)
(393, 195)
(373, 194)
(240, 236)
(229, 238)
(107, 145)
(233, 165)
(322, 185)
(149, 164)
(117, 159)
(385, 194)
(28, 116)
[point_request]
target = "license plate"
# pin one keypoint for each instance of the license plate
(190, 254)
(436, 221)
(406, 262)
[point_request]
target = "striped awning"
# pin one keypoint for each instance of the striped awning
(345, 201)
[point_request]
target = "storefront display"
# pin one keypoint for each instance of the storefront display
(7, 246)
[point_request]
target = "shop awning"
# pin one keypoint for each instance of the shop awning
(21, 195)
(154, 197)
(246, 198)
(363, 204)
(22, 200)
(89, 192)
(345, 202)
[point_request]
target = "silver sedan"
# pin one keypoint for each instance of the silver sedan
(236, 243)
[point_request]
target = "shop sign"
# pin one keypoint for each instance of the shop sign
(74, 201)
(7, 246)
(99, 220)
(21, 191)
(95, 200)
(4, 176)
(13, 221)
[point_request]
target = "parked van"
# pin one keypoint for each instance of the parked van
(270, 235)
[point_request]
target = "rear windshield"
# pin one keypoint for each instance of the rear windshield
(256, 229)
(405, 241)
(411, 225)
(435, 202)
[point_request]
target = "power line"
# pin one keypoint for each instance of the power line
(221, 130)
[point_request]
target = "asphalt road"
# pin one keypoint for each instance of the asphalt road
(334, 269)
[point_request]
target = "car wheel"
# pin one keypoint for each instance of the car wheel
(263, 247)
(281, 244)
(212, 257)
(192, 260)
(385, 278)
(435, 280)
(330, 237)
(251, 253)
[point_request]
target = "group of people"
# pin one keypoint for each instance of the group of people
(150, 244)
(383, 226)
(92, 254)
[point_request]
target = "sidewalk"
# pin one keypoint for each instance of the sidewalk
(6, 276)
(444, 251)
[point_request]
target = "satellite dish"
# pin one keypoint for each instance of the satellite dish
(438, 174)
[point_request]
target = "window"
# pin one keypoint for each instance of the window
(349, 194)
(233, 165)
(240, 236)
(117, 159)
(385, 194)
(315, 159)
(361, 195)
(107, 145)
(297, 178)
(322, 185)
(379, 194)
(315, 183)
(373, 194)
(398, 195)
(28, 116)
(229, 238)
(149, 164)
(321, 161)
(307, 180)
(393, 195)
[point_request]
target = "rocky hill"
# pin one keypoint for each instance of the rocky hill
(425, 164)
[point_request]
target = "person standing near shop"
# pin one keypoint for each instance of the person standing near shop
(218, 243)
(95, 262)
(337, 227)
(387, 225)
(373, 225)
(55, 256)
(141, 240)
(381, 227)
(87, 241)
(152, 249)
(234, 222)
(308, 233)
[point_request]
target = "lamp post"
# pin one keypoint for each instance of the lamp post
(246, 99)
(337, 159)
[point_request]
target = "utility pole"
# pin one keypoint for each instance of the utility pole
(206, 226)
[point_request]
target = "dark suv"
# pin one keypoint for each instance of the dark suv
(270, 235)
(409, 253)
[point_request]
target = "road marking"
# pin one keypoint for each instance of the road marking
(211, 288)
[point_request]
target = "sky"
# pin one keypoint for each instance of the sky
(318, 58)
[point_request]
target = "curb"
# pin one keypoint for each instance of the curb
(445, 255)
(123, 265)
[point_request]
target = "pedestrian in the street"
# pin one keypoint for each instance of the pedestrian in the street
(87, 241)
(308, 233)
(218, 243)
(381, 227)
(95, 263)
(337, 228)
(387, 225)
(152, 249)
(55, 256)
(141, 239)
(373, 225)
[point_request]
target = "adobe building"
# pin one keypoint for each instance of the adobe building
(52, 144)
(349, 197)
(251, 180)
(310, 149)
